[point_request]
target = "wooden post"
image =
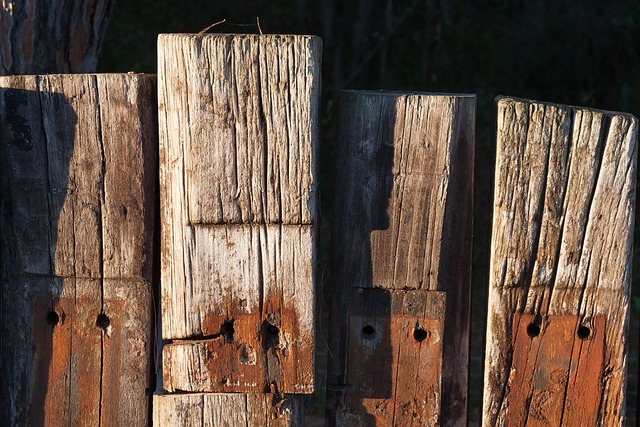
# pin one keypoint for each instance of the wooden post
(560, 266)
(401, 260)
(238, 130)
(77, 186)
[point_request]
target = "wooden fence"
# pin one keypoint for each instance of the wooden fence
(231, 337)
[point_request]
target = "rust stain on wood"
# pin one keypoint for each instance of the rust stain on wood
(246, 350)
(52, 339)
(556, 371)
(394, 365)
(68, 360)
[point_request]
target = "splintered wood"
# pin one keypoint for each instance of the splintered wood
(401, 260)
(238, 130)
(77, 200)
(560, 266)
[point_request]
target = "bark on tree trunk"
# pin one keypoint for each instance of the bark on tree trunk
(40, 36)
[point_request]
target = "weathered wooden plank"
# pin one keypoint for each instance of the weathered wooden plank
(395, 349)
(267, 272)
(561, 248)
(238, 129)
(128, 124)
(238, 125)
(128, 351)
(403, 220)
(255, 312)
(76, 296)
(222, 410)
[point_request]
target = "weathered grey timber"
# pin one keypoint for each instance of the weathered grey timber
(238, 121)
(401, 260)
(560, 265)
(78, 161)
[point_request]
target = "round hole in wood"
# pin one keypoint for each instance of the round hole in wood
(533, 330)
(270, 335)
(419, 335)
(584, 332)
(227, 330)
(53, 318)
(368, 332)
(103, 321)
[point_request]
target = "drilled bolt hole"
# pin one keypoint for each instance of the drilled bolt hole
(420, 335)
(270, 335)
(53, 318)
(103, 321)
(368, 332)
(584, 332)
(227, 330)
(533, 330)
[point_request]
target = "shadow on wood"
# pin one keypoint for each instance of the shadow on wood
(401, 260)
(30, 213)
(77, 199)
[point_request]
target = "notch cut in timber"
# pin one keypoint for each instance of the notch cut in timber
(264, 290)
(560, 254)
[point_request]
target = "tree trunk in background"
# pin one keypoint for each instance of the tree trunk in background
(40, 36)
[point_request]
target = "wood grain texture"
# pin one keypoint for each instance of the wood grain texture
(238, 130)
(222, 410)
(40, 37)
(259, 301)
(78, 160)
(561, 246)
(402, 220)
(395, 349)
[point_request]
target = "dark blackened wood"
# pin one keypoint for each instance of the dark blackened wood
(77, 185)
(39, 37)
(403, 221)
(560, 254)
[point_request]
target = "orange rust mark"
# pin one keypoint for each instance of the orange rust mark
(68, 360)
(52, 342)
(395, 366)
(247, 350)
(111, 361)
(86, 359)
(556, 371)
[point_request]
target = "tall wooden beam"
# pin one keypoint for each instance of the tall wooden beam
(238, 130)
(78, 155)
(560, 265)
(401, 260)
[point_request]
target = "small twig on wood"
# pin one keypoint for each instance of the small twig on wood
(258, 23)
(211, 26)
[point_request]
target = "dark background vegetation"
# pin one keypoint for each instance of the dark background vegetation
(583, 53)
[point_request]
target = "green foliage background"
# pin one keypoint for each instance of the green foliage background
(582, 53)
